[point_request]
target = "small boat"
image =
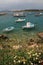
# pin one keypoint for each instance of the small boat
(28, 25)
(19, 15)
(39, 14)
(8, 29)
(2, 13)
(20, 20)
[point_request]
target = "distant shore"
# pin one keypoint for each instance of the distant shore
(30, 10)
(25, 10)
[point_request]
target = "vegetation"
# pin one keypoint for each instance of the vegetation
(21, 52)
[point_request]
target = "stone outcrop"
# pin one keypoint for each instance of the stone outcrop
(3, 36)
(40, 35)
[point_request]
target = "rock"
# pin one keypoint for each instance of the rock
(33, 45)
(6, 46)
(40, 35)
(31, 40)
(3, 37)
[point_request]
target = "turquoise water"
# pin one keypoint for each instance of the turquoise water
(8, 20)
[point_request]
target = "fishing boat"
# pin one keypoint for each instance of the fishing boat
(28, 25)
(8, 29)
(20, 20)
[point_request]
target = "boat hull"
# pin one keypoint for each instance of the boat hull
(19, 16)
(28, 28)
(9, 29)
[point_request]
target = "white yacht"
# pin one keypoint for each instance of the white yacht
(28, 25)
(8, 29)
(20, 20)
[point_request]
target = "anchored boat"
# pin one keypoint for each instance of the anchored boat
(20, 14)
(38, 14)
(28, 25)
(20, 20)
(8, 29)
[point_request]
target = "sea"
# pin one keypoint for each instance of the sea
(8, 20)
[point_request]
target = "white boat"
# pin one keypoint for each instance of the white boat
(8, 29)
(38, 14)
(2, 13)
(20, 20)
(19, 14)
(29, 25)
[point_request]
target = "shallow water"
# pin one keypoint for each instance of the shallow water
(8, 20)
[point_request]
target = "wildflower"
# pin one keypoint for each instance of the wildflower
(36, 58)
(31, 63)
(24, 62)
(19, 61)
(29, 53)
(14, 61)
(15, 57)
(39, 61)
(35, 53)
(30, 56)
(39, 53)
